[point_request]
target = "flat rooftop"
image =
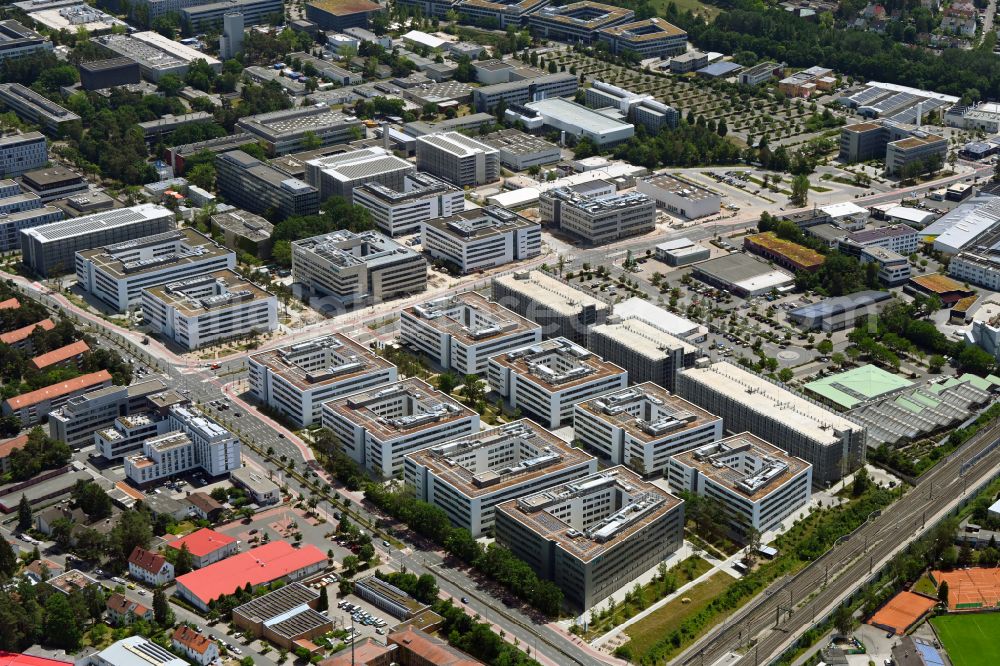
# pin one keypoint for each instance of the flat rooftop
(643, 31)
(346, 7)
(774, 402)
(586, 537)
(557, 365)
(504, 6)
(211, 292)
(743, 271)
(800, 254)
(516, 142)
(480, 223)
(550, 292)
(642, 337)
(648, 412)
(456, 144)
(415, 186)
(660, 318)
(470, 318)
(188, 246)
(681, 187)
(45, 106)
(499, 458)
(329, 359)
(399, 410)
(849, 389)
(745, 463)
(291, 122)
(588, 15)
(571, 113)
(102, 221)
(357, 164)
(277, 603)
(244, 224)
(345, 249)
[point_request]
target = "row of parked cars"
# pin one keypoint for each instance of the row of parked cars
(362, 616)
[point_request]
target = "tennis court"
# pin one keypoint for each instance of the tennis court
(969, 638)
(902, 612)
(971, 589)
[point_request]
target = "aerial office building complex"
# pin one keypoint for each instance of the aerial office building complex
(482, 238)
(522, 91)
(402, 210)
(157, 55)
(379, 426)
(458, 159)
(832, 444)
(642, 426)
(290, 131)
(260, 188)
(548, 378)
(339, 174)
(22, 152)
(468, 477)
(642, 109)
(559, 308)
(296, 380)
(33, 407)
(357, 269)
(647, 351)
(521, 151)
(117, 274)
(35, 108)
(101, 74)
(604, 129)
(759, 484)
(17, 41)
(578, 21)
(600, 219)
(501, 13)
(593, 536)
(209, 308)
(211, 15)
(680, 196)
(649, 38)
(50, 249)
(461, 332)
(81, 416)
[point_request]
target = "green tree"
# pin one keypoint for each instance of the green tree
(170, 85)
(943, 593)
(8, 559)
(92, 499)
(61, 627)
(202, 175)
(311, 140)
(800, 190)
(862, 481)
(786, 375)
(161, 609)
(24, 514)
(824, 347)
(447, 381)
(935, 363)
(184, 562)
(843, 620)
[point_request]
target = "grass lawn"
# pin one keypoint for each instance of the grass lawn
(971, 639)
(645, 633)
(925, 586)
(683, 5)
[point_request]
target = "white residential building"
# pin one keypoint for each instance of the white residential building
(149, 567)
(459, 159)
(548, 378)
(402, 210)
(22, 152)
(117, 274)
(379, 426)
(297, 379)
(642, 426)
(468, 477)
(759, 484)
(461, 332)
(482, 238)
(209, 308)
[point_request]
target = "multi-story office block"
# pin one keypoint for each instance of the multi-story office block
(12, 224)
(22, 152)
(900, 238)
(909, 156)
(512, 93)
(649, 38)
(50, 249)
(640, 109)
(296, 380)
(604, 129)
(101, 74)
(158, 55)
(357, 269)
(401, 210)
(461, 332)
(642, 426)
(338, 175)
(54, 182)
(157, 130)
(470, 476)
(191, 441)
(430, 8)
(559, 308)
(81, 416)
(593, 536)
(680, 196)
(647, 351)
(765, 71)
(36, 109)
(379, 426)
(286, 131)
(758, 484)
(117, 274)
(209, 308)
(603, 218)
(547, 379)
(126, 434)
(459, 159)
(893, 268)
(260, 188)
(980, 267)
(34, 407)
(899, 144)
(578, 21)
(832, 444)
(17, 41)
(482, 238)
(521, 151)
(200, 18)
(495, 13)
(341, 14)
(243, 231)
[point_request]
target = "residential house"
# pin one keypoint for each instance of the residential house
(150, 567)
(42, 570)
(122, 610)
(205, 506)
(195, 646)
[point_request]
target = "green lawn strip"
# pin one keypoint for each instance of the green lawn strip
(648, 631)
(925, 586)
(970, 639)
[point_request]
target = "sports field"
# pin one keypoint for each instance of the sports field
(970, 639)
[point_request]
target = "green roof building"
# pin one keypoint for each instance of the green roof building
(849, 389)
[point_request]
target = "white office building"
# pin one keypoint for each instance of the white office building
(22, 152)
(117, 274)
(462, 331)
(468, 477)
(548, 378)
(339, 174)
(127, 434)
(481, 238)
(642, 426)
(81, 416)
(379, 426)
(560, 309)
(458, 159)
(599, 219)
(680, 196)
(297, 379)
(402, 210)
(646, 350)
(209, 308)
(758, 484)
